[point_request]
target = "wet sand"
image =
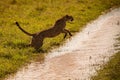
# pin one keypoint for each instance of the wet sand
(79, 57)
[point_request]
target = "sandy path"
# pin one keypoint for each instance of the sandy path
(79, 57)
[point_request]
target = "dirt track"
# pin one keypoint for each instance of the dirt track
(79, 58)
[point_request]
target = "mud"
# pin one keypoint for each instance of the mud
(79, 57)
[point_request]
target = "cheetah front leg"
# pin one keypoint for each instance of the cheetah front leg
(66, 31)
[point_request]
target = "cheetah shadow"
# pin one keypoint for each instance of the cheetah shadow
(22, 45)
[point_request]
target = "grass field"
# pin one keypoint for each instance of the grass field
(111, 70)
(38, 15)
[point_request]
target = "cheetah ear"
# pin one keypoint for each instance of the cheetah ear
(66, 15)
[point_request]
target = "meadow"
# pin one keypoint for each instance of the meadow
(110, 70)
(38, 15)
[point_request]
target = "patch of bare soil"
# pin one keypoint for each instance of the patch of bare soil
(79, 58)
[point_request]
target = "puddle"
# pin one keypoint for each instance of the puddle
(81, 56)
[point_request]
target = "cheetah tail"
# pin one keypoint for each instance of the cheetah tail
(23, 29)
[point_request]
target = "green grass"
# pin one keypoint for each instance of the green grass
(111, 70)
(38, 15)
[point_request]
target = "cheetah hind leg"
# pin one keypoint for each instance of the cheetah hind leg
(38, 46)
